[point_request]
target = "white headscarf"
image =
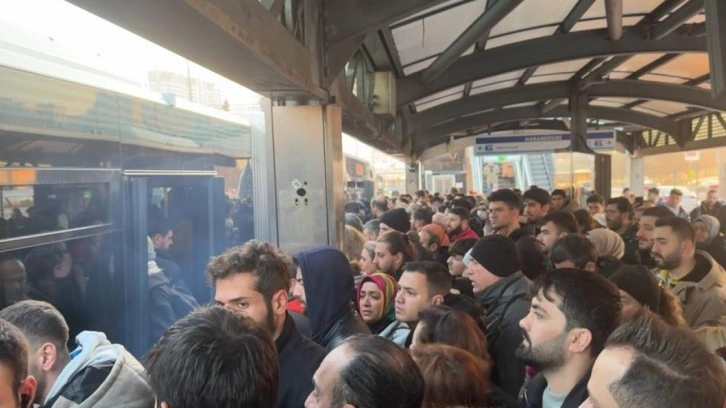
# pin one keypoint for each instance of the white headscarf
(607, 242)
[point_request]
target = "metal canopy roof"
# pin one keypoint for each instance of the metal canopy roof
(462, 67)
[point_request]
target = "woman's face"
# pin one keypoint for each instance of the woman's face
(630, 306)
(701, 232)
(366, 262)
(371, 303)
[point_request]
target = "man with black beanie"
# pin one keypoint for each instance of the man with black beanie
(495, 271)
(397, 220)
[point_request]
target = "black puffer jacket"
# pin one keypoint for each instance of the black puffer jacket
(328, 282)
(505, 304)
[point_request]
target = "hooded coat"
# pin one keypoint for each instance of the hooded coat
(100, 374)
(328, 282)
(714, 244)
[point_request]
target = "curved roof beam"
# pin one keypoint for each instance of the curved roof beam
(440, 134)
(625, 88)
(546, 50)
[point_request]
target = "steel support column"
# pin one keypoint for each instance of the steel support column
(716, 39)
(614, 13)
(578, 125)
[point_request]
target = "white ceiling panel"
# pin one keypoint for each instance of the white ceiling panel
(608, 104)
(432, 35)
(493, 87)
(457, 90)
(662, 78)
(517, 37)
(620, 101)
(562, 67)
(638, 61)
(418, 66)
(520, 105)
(428, 105)
(629, 7)
(499, 78)
(528, 15)
(690, 65)
(600, 23)
(536, 79)
(665, 106)
(650, 111)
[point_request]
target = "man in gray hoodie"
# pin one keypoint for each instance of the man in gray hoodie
(96, 374)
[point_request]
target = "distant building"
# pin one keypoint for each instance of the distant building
(190, 88)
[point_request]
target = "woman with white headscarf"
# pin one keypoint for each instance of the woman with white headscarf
(610, 249)
(607, 242)
(709, 238)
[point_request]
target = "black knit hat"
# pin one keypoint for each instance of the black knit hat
(397, 219)
(639, 283)
(498, 254)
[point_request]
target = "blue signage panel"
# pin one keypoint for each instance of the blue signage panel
(498, 145)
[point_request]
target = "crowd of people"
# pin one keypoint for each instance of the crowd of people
(518, 299)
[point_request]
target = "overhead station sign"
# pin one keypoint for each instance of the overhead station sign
(499, 145)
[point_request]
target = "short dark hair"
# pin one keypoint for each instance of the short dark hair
(462, 246)
(267, 263)
(588, 300)
(438, 279)
(423, 214)
(530, 251)
(462, 212)
(677, 192)
(563, 220)
(214, 357)
(538, 195)
(574, 248)
(14, 353)
(437, 198)
(380, 204)
(158, 227)
(658, 211)
(595, 199)
(379, 374)
(682, 228)
(622, 204)
(398, 242)
(506, 196)
(558, 192)
(41, 323)
(373, 225)
(654, 190)
(40, 263)
(460, 202)
(668, 358)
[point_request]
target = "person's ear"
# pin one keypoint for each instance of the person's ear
(165, 405)
(279, 302)
(579, 340)
(27, 391)
(48, 356)
(437, 300)
(434, 247)
(399, 258)
(591, 267)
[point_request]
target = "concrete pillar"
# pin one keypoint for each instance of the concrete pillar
(637, 175)
(301, 203)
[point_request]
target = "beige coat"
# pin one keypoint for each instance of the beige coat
(704, 302)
